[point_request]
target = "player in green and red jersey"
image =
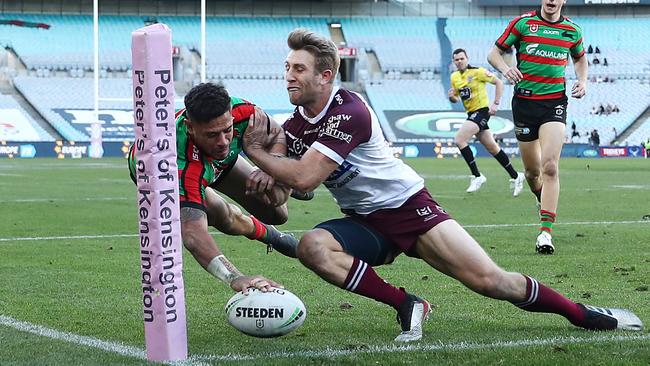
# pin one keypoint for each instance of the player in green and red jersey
(544, 40)
(209, 139)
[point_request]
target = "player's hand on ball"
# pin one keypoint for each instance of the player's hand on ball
(259, 282)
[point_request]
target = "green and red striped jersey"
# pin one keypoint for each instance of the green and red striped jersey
(543, 50)
(197, 170)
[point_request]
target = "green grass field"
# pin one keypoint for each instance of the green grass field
(70, 289)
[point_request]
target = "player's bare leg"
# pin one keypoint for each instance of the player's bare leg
(450, 249)
(229, 219)
(323, 254)
(516, 179)
(531, 157)
(551, 139)
(463, 135)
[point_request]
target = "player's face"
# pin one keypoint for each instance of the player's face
(303, 81)
(213, 138)
(460, 60)
(551, 9)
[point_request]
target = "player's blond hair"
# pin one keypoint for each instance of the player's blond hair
(324, 50)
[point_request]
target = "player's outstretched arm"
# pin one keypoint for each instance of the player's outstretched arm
(197, 239)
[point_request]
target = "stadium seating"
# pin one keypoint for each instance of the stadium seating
(401, 44)
(642, 133)
(17, 125)
(56, 98)
(607, 93)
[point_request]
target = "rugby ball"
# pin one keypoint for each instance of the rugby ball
(265, 314)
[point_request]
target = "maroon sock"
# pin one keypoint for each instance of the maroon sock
(363, 280)
(541, 299)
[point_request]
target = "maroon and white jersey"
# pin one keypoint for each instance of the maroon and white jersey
(369, 177)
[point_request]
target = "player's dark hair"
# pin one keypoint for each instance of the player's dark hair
(324, 50)
(205, 102)
(459, 50)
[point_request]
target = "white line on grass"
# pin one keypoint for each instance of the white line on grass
(330, 353)
(67, 199)
(135, 352)
(483, 226)
(112, 347)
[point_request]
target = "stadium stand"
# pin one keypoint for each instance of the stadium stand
(642, 133)
(67, 103)
(401, 44)
(608, 93)
(17, 125)
(246, 54)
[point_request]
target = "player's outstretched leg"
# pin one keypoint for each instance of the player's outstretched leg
(324, 255)
(540, 298)
(229, 219)
(284, 243)
(411, 314)
(450, 249)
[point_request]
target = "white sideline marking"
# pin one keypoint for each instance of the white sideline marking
(68, 199)
(330, 353)
(483, 226)
(135, 352)
(112, 347)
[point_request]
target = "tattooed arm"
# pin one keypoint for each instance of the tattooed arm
(197, 239)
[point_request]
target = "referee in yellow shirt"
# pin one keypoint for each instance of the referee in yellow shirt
(468, 85)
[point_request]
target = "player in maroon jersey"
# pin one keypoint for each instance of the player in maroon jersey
(334, 138)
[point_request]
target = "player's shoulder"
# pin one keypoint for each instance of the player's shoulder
(482, 71)
(568, 21)
(349, 103)
(522, 18)
(242, 109)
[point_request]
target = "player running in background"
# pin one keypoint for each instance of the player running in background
(208, 140)
(334, 138)
(544, 39)
(468, 85)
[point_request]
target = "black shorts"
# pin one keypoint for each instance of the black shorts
(480, 117)
(530, 114)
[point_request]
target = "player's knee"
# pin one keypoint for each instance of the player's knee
(493, 149)
(532, 174)
(550, 168)
(311, 251)
(460, 141)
